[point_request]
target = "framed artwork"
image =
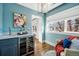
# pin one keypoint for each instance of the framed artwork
(19, 20)
(57, 26)
(51, 27)
(73, 25)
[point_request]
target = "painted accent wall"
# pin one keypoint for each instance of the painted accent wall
(6, 17)
(1, 16)
(9, 9)
(43, 27)
(51, 38)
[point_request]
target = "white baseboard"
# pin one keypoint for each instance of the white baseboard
(40, 40)
(50, 43)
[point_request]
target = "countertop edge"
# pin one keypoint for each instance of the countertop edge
(14, 36)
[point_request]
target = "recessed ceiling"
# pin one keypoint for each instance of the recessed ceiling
(41, 7)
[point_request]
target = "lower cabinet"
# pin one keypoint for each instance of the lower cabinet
(8, 51)
(17, 46)
(8, 47)
(26, 46)
(30, 45)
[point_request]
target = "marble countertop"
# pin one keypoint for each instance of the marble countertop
(14, 36)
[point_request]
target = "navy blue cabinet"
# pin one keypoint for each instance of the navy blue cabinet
(8, 47)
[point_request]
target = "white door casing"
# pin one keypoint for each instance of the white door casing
(37, 22)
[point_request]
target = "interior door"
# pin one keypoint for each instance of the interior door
(37, 27)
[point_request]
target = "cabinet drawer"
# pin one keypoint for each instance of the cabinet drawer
(10, 41)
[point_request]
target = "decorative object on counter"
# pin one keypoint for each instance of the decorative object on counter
(9, 31)
(21, 33)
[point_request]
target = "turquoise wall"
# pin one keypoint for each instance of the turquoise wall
(8, 16)
(43, 26)
(1, 16)
(52, 38)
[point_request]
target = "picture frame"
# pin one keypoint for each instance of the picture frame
(57, 26)
(19, 20)
(73, 24)
(63, 25)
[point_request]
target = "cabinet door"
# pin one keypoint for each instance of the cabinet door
(30, 44)
(22, 47)
(8, 47)
(8, 50)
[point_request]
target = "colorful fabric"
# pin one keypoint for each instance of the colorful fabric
(66, 43)
(71, 37)
(59, 48)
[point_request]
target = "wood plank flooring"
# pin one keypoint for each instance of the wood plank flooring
(41, 48)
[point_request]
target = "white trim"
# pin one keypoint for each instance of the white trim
(39, 29)
(37, 6)
(50, 43)
(51, 7)
(65, 33)
(54, 6)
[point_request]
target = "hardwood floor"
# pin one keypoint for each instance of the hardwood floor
(38, 48)
(41, 48)
(47, 47)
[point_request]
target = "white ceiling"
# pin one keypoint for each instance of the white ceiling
(41, 7)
